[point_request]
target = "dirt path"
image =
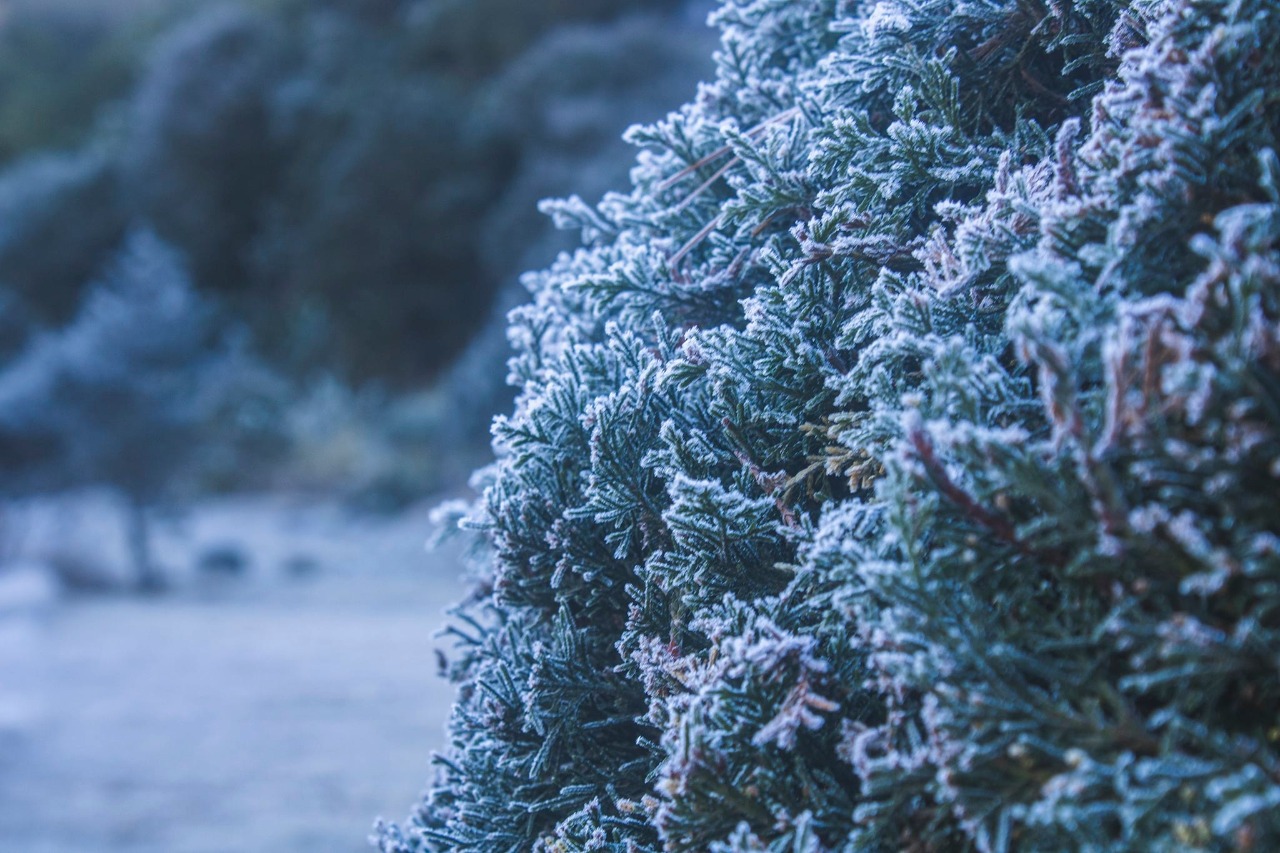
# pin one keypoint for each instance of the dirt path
(272, 717)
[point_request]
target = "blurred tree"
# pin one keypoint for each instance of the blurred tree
(201, 159)
(120, 395)
(367, 247)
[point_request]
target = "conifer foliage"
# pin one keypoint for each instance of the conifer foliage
(896, 466)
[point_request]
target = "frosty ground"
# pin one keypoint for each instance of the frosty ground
(279, 710)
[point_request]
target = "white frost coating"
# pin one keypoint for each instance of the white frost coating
(887, 16)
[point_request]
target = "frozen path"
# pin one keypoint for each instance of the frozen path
(281, 716)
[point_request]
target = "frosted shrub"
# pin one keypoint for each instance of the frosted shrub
(895, 466)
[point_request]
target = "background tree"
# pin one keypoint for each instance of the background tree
(201, 158)
(123, 394)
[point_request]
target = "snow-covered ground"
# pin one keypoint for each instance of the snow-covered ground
(275, 711)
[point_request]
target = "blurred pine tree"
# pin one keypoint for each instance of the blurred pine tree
(124, 394)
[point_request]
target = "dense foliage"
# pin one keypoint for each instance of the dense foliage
(896, 466)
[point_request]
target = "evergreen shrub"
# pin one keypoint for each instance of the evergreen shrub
(896, 466)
